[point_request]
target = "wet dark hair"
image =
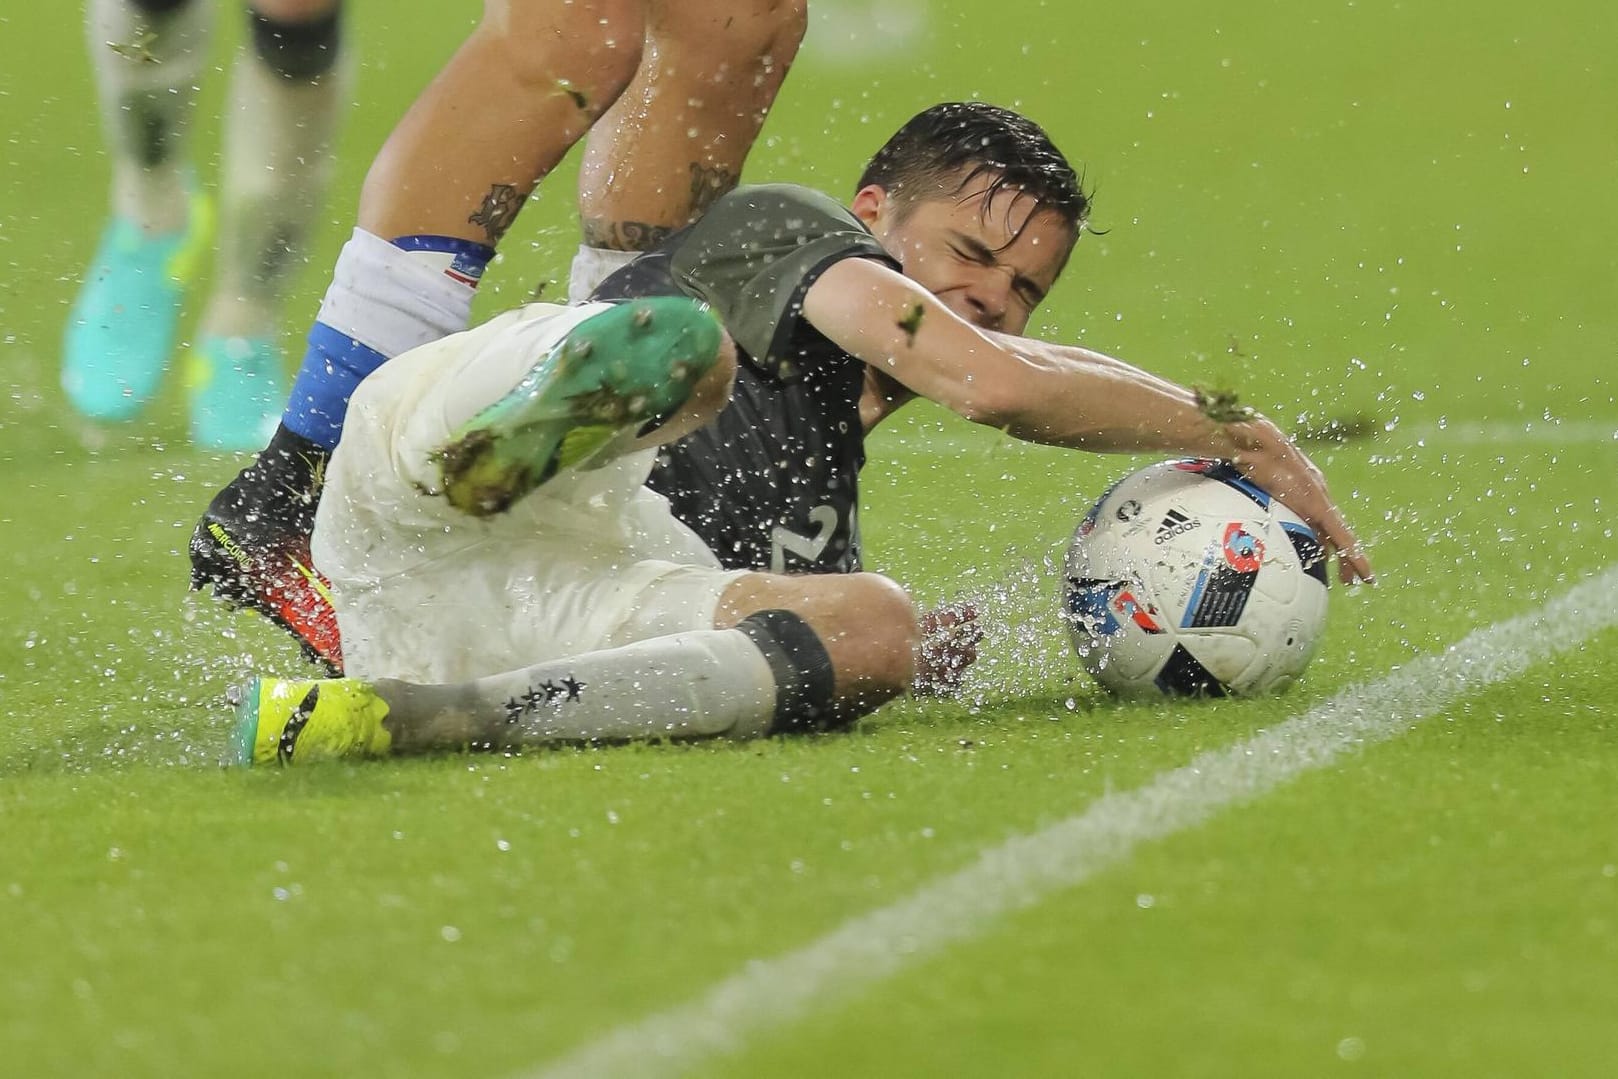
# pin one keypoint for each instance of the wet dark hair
(942, 150)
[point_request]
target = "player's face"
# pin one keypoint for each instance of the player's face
(991, 260)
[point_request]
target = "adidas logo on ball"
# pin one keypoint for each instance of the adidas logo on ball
(1173, 524)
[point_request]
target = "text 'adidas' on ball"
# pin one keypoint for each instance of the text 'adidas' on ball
(1187, 578)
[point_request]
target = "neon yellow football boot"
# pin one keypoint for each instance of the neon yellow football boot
(280, 721)
(610, 375)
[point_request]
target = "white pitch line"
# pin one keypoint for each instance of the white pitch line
(768, 994)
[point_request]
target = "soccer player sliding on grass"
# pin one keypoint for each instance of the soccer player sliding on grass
(502, 576)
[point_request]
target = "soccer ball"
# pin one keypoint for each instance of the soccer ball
(1188, 579)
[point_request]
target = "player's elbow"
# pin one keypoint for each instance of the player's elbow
(993, 400)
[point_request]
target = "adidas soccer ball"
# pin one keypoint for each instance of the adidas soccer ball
(1186, 578)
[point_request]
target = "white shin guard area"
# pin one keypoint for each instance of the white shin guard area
(768, 994)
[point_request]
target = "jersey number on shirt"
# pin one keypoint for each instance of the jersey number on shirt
(784, 541)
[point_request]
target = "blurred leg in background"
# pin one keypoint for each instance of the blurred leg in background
(288, 86)
(286, 92)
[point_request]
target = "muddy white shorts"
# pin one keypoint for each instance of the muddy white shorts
(590, 560)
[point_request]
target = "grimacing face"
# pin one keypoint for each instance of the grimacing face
(989, 259)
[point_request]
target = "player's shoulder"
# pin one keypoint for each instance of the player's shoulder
(760, 196)
(793, 206)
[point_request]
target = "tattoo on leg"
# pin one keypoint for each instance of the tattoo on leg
(498, 211)
(623, 235)
(708, 182)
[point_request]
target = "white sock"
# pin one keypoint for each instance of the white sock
(278, 138)
(698, 684)
(147, 69)
(593, 265)
(390, 300)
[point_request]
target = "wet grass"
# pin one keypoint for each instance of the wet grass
(1331, 210)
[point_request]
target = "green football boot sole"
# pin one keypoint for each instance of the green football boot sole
(612, 374)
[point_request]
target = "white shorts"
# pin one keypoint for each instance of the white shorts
(590, 560)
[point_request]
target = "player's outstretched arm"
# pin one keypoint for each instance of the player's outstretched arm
(1056, 394)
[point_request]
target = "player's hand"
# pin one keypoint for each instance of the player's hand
(950, 636)
(1265, 456)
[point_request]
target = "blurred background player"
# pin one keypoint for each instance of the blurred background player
(681, 90)
(285, 93)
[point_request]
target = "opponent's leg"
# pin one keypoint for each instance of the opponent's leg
(148, 56)
(676, 140)
(288, 85)
(446, 186)
(768, 675)
(449, 182)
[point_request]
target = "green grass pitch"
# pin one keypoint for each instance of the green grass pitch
(1396, 213)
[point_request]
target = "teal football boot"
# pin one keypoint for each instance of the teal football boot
(121, 330)
(237, 391)
(611, 375)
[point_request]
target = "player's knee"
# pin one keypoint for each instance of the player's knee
(778, 31)
(587, 49)
(838, 645)
(866, 622)
(791, 22)
(731, 31)
(870, 629)
(877, 635)
(300, 40)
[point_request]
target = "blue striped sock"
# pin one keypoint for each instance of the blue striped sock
(332, 368)
(388, 303)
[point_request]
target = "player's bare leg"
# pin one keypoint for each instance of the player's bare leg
(524, 87)
(288, 85)
(677, 138)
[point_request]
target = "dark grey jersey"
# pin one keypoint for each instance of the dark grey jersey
(772, 484)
